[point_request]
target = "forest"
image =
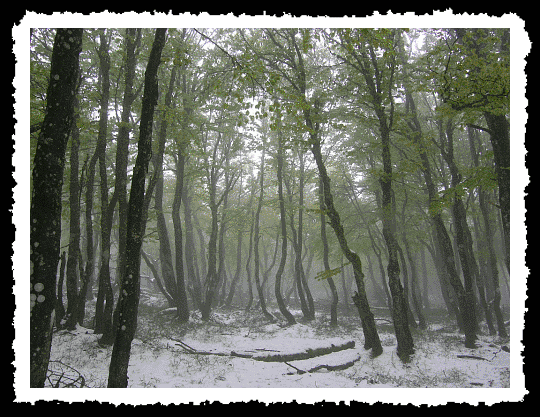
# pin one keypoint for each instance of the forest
(331, 196)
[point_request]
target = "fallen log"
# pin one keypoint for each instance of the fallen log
(330, 362)
(259, 354)
(472, 357)
(307, 354)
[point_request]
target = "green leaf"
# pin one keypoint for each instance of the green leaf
(329, 273)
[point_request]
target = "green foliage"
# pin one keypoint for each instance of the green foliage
(237, 89)
(470, 70)
(323, 275)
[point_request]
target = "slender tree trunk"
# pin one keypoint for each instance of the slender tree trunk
(59, 308)
(400, 305)
(335, 299)
(406, 289)
(374, 245)
(221, 272)
(488, 242)
(237, 273)
(414, 286)
(180, 290)
(132, 40)
(465, 316)
(425, 281)
(250, 251)
(279, 297)
(256, 243)
(371, 335)
(296, 268)
(105, 300)
(442, 240)
(464, 244)
(130, 283)
(153, 268)
(499, 128)
(46, 201)
(266, 273)
(74, 228)
(380, 295)
(165, 251)
(190, 251)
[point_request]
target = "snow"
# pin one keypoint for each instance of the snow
(162, 356)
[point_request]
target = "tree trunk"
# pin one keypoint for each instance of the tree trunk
(46, 202)
(296, 268)
(442, 240)
(74, 228)
(335, 299)
(371, 335)
(221, 271)
(105, 300)
(250, 251)
(279, 297)
(488, 242)
(165, 251)
(464, 244)
(416, 300)
(425, 281)
(132, 40)
(299, 270)
(130, 284)
(180, 295)
(153, 268)
(464, 316)
(400, 304)
(406, 289)
(499, 128)
(235, 279)
(59, 307)
(256, 243)
(190, 251)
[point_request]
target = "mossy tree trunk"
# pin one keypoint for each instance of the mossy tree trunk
(326, 263)
(46, 201)
(372, 340)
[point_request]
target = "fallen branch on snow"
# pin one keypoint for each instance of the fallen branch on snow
(472, 357)
(337, 364)
(278, 357)
(307, 354)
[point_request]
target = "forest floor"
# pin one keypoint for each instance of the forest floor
(243, 350)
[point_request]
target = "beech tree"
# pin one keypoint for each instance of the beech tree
(45, 209)
(130, 284)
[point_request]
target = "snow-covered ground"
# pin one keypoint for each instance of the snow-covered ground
(230, 346)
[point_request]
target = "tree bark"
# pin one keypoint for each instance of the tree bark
(132, 41)
(488, 243)
(499, 128)
(257, 238)
(464, 243)
(326, 263)
(46, 202)
(371, 335)
(59, 308)
(105, 300)
(282, 216)
(136, 223)
(190, 251)
(74, 228)
(180, 295)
